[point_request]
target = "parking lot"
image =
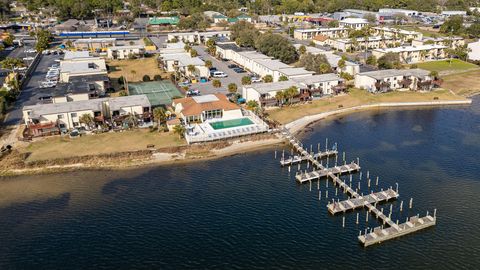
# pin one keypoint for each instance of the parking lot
(31, 92)
(233, 77)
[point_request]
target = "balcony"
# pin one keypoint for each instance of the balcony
(425, 85)
(405, 83)
(268, 102)
(382, 86)
(339, 88)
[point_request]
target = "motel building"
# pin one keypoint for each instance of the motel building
(214, 117)
(395, 79)
(335, 32)
(414, 54)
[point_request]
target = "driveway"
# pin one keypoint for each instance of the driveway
(233, 77)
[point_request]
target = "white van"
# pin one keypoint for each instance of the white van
(219, 74)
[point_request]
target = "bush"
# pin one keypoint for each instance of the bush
(157, 77)
(246, 80)
(217, 83)
(146, 78)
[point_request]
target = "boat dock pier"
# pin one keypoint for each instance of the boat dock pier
(389, 229)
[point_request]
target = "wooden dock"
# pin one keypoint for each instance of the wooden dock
(356, 200)
(317, 174)
(298, 159)
(413, 224)
(361, 201)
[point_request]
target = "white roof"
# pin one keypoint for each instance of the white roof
(253, 55)
(264, 88)
(205, 99)
(75, 55)
(362, 39)
(308, 80)
(184, 59)
(291, 71)
(394, 30)
(310, 49)
(272, 64)
(128, 47)
(320, 29)
(93, 40)
(354, 21)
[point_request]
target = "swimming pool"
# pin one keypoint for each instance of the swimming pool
(231, 123)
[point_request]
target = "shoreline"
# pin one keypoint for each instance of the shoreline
(239, 146)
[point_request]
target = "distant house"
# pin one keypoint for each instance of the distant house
(198, 37)
(392, 11)
(474, 53)
(362, 43)
(449, 13)
(215, 16)
(163, 21)
(400, 34)
(392, 79)
(353, 23)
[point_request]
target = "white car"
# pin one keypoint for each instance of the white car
(28, 58)
(219, 74)
(47, 84)
(256, 80)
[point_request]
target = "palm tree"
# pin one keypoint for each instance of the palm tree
(131, 119)
(187, 47)
(160, 116)
(246, 80)
(252, 105)
(86, 119)
(208, 63)
(193, 53)
(192, 69)
(232, 88)
(179, 130)
(279, 96)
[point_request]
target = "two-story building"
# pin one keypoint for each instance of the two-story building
(392, 79)
(414, 54)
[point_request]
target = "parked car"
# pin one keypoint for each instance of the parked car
(193, 92)
(47, 84)
(239, 70)
(183, 84)
(233, 66)
(256, 80)
(219, 74)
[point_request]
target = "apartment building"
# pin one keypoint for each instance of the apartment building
(362, 43)
(81, 64)
(392, 79)
(198, 37)
(353, 23)
(94, 44)
(124, 52)
(414, 54)
(451, 42)
(336, 32)
(396, 33)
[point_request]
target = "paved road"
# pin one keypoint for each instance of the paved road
(233, 77)
(31, 92)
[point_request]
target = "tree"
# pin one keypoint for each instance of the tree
(246, 80)
(341, 64)
(193, 53)
(159, 114)
(277, 46)
(290, 93)
(453, 25)
(179, 130)
(267, 78)
(8, 41)
(187, 47)
(434, 74)
(12, 63)
(389, 61)
(252, 105)
(280, 96)
(146, 78)
(283, 78)
(208, 63)
(216, 83)
(157, 77)
(302, 49)
(123, 93)
(232, 88)
(316, 63)
(86, 119)
(371, 60)
(121, 80)
(191, 69)
(244, 33)
(43, 38)
(332, 24)
(370, 17)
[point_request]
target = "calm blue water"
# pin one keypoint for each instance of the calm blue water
(245, 212)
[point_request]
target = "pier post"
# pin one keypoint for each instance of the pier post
(411, 203)
(397, 187)
(358, 185)
(397, 222)
(336, 191)
(401, 206)
(391, 208)
(283, 154)
(427, 214)
(289, 168)
(344, 162)
(308, 164)
(358, 161)
(366, 232)
(336, 159)
(366, 218)
(368, 183)
(328, 157)
(326, 194)
(310, 185)
(319, 195)
(358, 214)
(298, 166)
(435, 213)
(368, 174)
(275, 154)
(343, 223)
(376, 183)
(318, 148)
(360, 176)
(311, 148)
(326, 144)
(326, 182)
(318, 183)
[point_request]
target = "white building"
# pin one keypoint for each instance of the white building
(350, 44)
(181, 61)
(336, 32)
(474, 53)
(400, 34)
(307, 87)
(66, 115)
(414, 54)
(451, 42)
(392, 79)
(406, 12)
(81, 64)
(449, 13)
(198, 37)
(353, 23)
(124, 52)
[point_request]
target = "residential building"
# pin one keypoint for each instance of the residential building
(81, 88)
(336, 32)
(163, 21)
(362, 43)
(474, 51)
(215, 16)
(180, 62)
(308, 87)
(451, 42)
(392, 79)
(241, 17)
(350, 67)
(93, 44)
(355, 13)
(199, 109)
(396, 33)
(414, 54)
(81, 64)
(198, 37)
(124, 52)
(353, 23)
(66, 115)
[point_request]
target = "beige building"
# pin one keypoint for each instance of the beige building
(414, 54)
(66, 115)
(199, 109)
(198, 37)
(451, 42)
(94, 44)
(336, 32)
(350, 44)
(124, 52)
(353, 23)
(392, 79)
(397, 34)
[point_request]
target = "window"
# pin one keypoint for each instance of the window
(60, 116)
(91, 65)
(73, 114)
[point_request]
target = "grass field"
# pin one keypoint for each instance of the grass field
(465, 84)
(106, 143)
(140, 67)
(444, 67)
(354, 98)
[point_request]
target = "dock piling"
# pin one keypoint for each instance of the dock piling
(319, 195)
(411, 203)
(435, 213)
(310, 185)
(326, 194)
(366, 218)
(358, 214)
(275, 154)
(376, 183)
(343, 222)
(401, 206)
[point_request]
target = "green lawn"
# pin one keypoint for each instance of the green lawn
(445, 67)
